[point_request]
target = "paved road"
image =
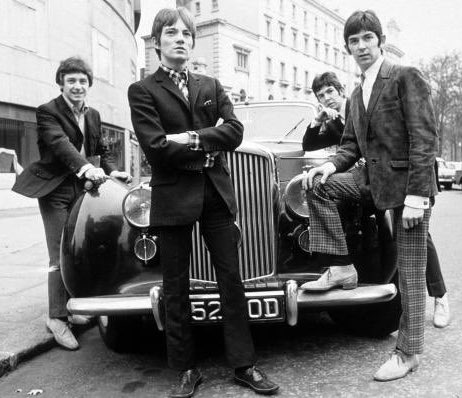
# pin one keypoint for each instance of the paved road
(312, 360)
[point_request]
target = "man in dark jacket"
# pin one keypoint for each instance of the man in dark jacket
(175, 114)
(69, 133)
(392, 125)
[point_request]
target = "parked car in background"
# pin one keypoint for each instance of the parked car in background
(446, 173)
(110, 254)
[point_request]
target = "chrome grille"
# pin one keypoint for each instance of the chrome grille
(253, 182)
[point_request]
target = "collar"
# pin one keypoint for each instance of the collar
(174, 73)
(373, 70)
(74, 109)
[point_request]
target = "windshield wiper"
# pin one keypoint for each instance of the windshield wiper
(290, 131)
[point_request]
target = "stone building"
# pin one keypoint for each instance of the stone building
(35, 35)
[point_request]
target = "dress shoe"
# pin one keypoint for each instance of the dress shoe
(62, 333)
(344, 276)
(398, 366)
(441, 316)
(255, 379)
(79, 319)
(188, 380)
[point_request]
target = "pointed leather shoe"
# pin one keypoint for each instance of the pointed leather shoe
(188, 380)
(62, 333)
(255, 379)
(345, 277)
(398, 366)
(441, 316)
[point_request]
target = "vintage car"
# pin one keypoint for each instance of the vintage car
(109, 252)
(446, 173)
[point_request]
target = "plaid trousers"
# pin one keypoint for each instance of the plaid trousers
(327, 236)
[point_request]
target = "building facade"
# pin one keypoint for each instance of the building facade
(269, 49)
(36, 36)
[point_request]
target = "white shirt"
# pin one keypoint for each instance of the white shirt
(370, 75)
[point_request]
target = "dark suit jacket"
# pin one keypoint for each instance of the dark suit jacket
(397, 136)
(159, 108)
(314, 139)
(60, 141)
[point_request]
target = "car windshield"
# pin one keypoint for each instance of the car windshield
(278, 122)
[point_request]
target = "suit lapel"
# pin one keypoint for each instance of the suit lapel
(193, 88)
(379, 84)
(65, 110)
(167, 83)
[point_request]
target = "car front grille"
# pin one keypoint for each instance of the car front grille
(253, 180)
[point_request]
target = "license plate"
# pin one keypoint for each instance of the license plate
(261, 307)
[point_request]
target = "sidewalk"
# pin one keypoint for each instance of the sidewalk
(23, 279)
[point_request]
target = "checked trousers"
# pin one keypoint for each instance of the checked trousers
(327, 236)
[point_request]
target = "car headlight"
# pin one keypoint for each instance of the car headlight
(137, 207)
(295, 197)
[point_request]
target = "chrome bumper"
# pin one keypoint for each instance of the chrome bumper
(295, 299)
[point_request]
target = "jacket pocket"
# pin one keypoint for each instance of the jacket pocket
(399, 164)
(41, 172)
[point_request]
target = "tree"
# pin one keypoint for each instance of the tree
(444, 74)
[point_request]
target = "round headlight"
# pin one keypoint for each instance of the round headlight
(295, 197)
(137, 207)
(145, 247)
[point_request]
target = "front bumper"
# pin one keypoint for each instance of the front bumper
(294, 300)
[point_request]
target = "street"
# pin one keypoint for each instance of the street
(314, 359)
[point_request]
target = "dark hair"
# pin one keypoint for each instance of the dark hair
(324, 80)
(73, 65)
(362, 20)
(168, 17)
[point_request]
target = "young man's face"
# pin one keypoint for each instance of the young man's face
(329, 97)
(175, 44)
(364, 47)
(75, 87)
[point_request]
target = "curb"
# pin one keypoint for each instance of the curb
(10, 360)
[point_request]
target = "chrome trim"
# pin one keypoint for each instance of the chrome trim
(216, 296)
(156, 296)
(123, 305)
(291, 302)
(338, 297)
(253, 174)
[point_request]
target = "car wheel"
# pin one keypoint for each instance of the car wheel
(119, 332)
(448, 185)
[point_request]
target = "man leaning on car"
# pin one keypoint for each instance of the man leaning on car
(174, 114)
(69, 132)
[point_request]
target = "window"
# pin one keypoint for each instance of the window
(326, 53)
(336, 57)
(268, 28)
(306, 43)
(129, 12)
(316, 48)
(294, 11)
(102, 56)
(198, 7)
(305, 19)
(281, 33)
(23, 29)
(326, 30)
(214, 5)
(114, 137)
(295, 76)
(281, 6)
(242, 58)
(344, 61)
(283, 71)
(307, 79)
(316, 25)
(269, 66)
(294, 39)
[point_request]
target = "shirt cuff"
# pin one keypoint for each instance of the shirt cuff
(194, 141)
(417, 202)
(315, 123)
(83, 169)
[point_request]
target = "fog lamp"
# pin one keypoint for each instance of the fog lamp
(136, 207)
(145, 247)
(295, 197)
